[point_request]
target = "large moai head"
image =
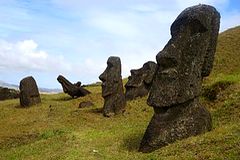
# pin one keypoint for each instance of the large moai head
(29, 94)
(112, 88)
(176, 86)
(187, 57)
(139, 82)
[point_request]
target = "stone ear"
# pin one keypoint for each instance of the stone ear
(208, 63)
(210, 52)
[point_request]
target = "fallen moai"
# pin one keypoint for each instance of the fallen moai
(74, 90)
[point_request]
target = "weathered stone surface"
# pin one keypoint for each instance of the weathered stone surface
(74, 90)
(175, 123)
(85, 104)
(112, 88)
(29, 94)
(139, 82)
(6, 93)
(176, 86)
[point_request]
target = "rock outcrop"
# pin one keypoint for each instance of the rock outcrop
(6, 93)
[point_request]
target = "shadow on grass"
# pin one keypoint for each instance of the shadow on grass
(96, 110)
(27, 107)
(22, 107)
(19, 107)
(18, 140)
(67, 98)
(132, 142)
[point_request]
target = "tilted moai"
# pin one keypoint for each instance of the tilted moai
(176, 87)
(139, 82)
(29, 94)
(74, 90)
(112, 88)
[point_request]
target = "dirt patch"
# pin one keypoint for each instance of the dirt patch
(211, 92)
(18, 140)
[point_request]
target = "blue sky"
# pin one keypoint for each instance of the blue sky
(45, 38)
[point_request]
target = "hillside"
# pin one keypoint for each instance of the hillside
(228, 52)
(58, 129)
(227, 62)
(41, 90)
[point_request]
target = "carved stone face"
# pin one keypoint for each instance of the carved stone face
(176, 86)
(111, 77)
(140, 80)
(187, 57)
(112, 88)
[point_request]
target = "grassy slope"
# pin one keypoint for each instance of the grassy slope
(227, 61)
(63, 131)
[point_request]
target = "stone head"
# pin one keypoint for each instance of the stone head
(63, 81)
(111, 78)
(187, 57)
(140, 80)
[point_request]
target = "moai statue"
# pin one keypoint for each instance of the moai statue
(176, 86)
(139, 82)
(112, 88)
(29, 94)
(74, 90)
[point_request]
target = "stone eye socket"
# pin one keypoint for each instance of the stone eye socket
(109, 65)
(196, 27)
(167, 62)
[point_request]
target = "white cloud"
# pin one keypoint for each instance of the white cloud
(117, 24)
(25, 55)
(88, 32)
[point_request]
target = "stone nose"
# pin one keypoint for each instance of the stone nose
(102, 77)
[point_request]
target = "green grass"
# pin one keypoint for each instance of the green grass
(64, 131)
(228, 51)
(58, 129)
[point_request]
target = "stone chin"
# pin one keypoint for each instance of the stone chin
(106, 91)
(130, 92)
